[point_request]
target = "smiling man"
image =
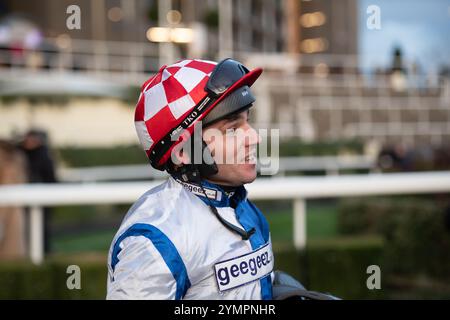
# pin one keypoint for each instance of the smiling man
(196, 236)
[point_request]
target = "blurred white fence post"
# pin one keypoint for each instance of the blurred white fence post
(299, 223)
(36, 234)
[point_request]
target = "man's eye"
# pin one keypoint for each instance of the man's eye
(231, 130)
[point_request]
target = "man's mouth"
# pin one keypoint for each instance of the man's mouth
(251, 158)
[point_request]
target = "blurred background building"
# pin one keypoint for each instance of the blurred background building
(334, 86)
(314, 83)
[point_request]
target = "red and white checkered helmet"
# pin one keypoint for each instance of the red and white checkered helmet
(180, 95)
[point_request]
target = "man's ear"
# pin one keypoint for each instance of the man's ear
(180, 156)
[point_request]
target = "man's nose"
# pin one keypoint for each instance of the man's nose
(253, 137)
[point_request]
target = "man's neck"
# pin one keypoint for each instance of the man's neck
(222, 184)
(227, 189)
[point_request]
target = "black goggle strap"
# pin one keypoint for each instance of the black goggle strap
(244, 234)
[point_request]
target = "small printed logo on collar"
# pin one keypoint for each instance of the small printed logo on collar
(212, 194)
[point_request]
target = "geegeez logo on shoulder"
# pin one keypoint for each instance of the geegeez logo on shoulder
(244, 269)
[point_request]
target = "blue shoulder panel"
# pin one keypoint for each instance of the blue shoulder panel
(165, 247)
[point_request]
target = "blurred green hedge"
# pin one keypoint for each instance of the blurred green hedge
(414, 229)
(22, 280)
(87, 157)
(334, 267)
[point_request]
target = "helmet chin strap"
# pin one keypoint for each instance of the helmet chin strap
(195, 173)
(243, 233)
(192, 172)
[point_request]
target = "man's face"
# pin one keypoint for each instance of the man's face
(32, 142)
(232, 142)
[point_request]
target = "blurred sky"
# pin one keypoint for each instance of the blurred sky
(420, 27)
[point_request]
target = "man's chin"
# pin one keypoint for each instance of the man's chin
(249, 175)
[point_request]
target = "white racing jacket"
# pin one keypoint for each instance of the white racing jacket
(171, 246)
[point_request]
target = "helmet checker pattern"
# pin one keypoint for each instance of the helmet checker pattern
(168, 96)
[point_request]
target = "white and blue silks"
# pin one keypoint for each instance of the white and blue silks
(171, 246)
